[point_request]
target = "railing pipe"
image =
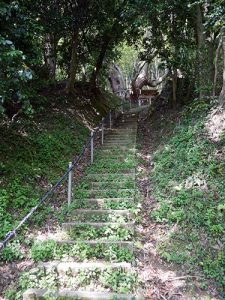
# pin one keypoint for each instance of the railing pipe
(92, 147)
(102, 131)
(69, 184)
(110, 119)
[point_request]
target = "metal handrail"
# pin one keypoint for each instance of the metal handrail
(11, 234)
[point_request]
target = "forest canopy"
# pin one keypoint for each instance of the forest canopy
(44, 43)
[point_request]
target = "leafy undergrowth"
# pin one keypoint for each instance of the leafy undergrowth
(49, 250)
(34, 153)
(188, 183)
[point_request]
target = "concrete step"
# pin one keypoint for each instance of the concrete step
(121, 212)
(74, 267)
(106, 243)
(106, 157)
(112, 203)
(39, 294)
(113, 172)
(105, 193)
(109, 176)
(70, 225)
(119, 147)
(128, 141)
(121, 135)
(122, 131)
(119, 144)
(122, 184)
(100, 215)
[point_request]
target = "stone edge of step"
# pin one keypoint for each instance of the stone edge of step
(75, 266)
(38, 294)
(69, 225)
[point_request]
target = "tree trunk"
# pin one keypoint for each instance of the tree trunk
(174, 87)
(211, 55)
(116, 79)
(73, 63)
(216, 67)
(200, 45)
(50, 45)
(222, 93)
(99, 62)
(141, 79)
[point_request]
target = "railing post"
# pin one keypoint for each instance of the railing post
(92, 147)
(110, 119)
(102, 131)
(70, 184)
(122, 106)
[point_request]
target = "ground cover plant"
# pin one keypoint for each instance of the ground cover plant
(50, 250)
(188, 183)
(108, 232)
(32, 158)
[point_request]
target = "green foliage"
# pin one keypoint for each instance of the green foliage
(12, 252)
(49, 249)
(42, 251)
(33, 154)
(188, 179)
(116, 280)
(109, 232)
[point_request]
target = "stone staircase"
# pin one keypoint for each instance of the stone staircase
(99, 230)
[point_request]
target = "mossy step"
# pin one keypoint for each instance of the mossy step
(100, 215)
(66, 294)
(104, 193)
(104, 165)
(119, 142)
(114, 184)
(103, 173)
(115, 158)
(121, 138)
(74, 267)
(118, 136)
(106, 184)
(125, 147)
(120, 130)
(101, 200)
(92, 277)
(68, 226)
(109, 176)
(120, 150)
(101, 211)
(123, 244)
(116, 232)
(105, 203)
(119, 146)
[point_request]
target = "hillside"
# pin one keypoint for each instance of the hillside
(183, 184)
